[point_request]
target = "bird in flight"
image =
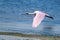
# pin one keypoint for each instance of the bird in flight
(39, 16)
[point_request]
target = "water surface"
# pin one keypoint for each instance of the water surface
(14, 19)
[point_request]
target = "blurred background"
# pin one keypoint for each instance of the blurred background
(14, 19)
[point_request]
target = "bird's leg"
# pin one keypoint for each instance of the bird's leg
(49, 17)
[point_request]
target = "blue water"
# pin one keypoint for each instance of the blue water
(14, 19)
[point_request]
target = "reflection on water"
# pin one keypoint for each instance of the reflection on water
(6, 37)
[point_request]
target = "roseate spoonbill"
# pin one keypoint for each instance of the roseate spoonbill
(39, 16)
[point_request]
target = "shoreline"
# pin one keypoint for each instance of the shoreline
(19, 34)
(30, 36)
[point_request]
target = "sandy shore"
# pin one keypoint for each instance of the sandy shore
(16, 36)
(9, 37)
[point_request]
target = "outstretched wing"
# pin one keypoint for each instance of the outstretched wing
(37, 19)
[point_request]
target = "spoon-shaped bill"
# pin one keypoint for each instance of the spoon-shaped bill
(28, 13)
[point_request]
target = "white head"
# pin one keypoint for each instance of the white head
(38, 12)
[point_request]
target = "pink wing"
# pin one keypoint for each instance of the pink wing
(38, 19)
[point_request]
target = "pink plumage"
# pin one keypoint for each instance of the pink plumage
(38, 18)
